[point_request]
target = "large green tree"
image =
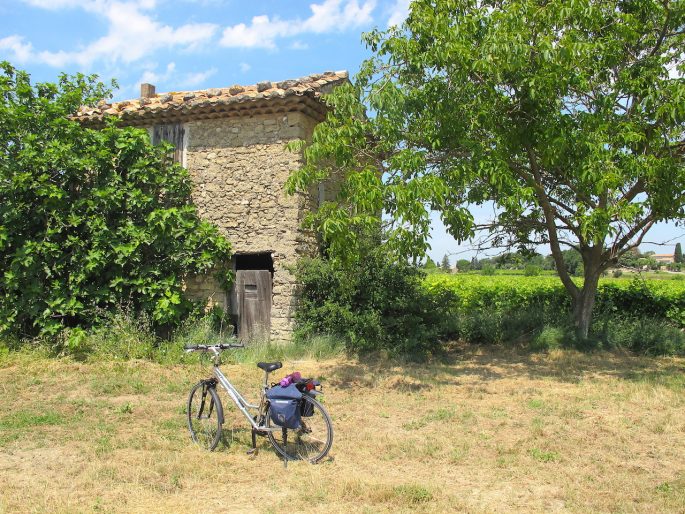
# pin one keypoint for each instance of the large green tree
(568, 116)
(89, 219)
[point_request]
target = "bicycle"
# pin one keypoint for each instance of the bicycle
(310, 441)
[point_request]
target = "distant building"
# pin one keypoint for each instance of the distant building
(663, 258)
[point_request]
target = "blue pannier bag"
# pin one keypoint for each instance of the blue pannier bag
(285, 406)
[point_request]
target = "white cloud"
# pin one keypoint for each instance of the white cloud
(131, 36)
(261, 33)
(55, 5)
(195, 79)
(170, 76)
(15, 44)
(244, 67)
(299, 45)
(398, 12)
(87, 5)
(329, 16)
(151, 77)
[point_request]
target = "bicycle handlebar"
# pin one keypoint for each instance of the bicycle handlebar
(212, 347)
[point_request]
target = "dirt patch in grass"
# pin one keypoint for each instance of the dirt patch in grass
(487, 430)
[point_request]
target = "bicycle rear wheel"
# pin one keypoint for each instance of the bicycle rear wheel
(311, 442)
(205, 415)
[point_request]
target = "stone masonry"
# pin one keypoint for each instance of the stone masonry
(240, 167)
(234, 148)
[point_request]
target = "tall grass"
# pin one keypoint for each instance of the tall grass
(126, 336)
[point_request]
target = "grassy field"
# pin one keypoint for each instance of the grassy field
(489, 431)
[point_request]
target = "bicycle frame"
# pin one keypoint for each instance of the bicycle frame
(240, 402)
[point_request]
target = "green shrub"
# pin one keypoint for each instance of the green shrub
(550, 338)
(90, 219)
(616, 273)
(643, 335)
(488, 270)
(375, 305)
(531, 270)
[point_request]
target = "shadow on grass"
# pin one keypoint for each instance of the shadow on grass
(492, 363)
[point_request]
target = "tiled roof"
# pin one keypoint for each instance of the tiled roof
(302, 94)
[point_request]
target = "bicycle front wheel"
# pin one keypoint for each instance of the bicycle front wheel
(205, 415)
(311, 442)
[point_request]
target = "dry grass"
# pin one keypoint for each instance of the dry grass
(488, 432)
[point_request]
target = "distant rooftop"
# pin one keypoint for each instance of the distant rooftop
(302, 94)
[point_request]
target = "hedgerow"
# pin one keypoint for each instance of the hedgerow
(380, 304)
(663, 299)
(645, 316)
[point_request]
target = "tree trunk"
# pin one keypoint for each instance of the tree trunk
(585, 300)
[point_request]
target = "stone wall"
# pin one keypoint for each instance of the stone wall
(239, 167)
(206, 289)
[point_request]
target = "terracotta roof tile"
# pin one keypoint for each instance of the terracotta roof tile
(214, 101)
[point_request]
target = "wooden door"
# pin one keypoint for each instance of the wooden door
(173, 134)
(254, 298)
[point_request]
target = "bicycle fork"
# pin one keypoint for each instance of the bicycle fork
(206, 385)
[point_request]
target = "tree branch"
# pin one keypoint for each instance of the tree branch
(615, 250)
(637, 242)
(548, 210)
(637, 188)
(662, 33)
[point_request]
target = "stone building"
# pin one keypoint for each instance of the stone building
(664, 258)
(232, 141)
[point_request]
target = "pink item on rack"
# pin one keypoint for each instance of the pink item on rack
(290, 379)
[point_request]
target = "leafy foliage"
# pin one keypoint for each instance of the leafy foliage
(89, 219)
(463, 265)
(430, 264)
(510, 308)
(488, 269)
(569, 116)
(376, 304)
(531, 270)
(637, 260)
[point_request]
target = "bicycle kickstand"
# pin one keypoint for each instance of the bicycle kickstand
(285, 445)
(253, 450)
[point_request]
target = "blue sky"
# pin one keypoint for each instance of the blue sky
(189, 44)
(198, 44)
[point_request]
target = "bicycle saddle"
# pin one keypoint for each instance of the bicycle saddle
(269, 366)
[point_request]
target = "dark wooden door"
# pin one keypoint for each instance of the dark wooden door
(254, 298)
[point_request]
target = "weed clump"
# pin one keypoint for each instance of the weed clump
(412, 493)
